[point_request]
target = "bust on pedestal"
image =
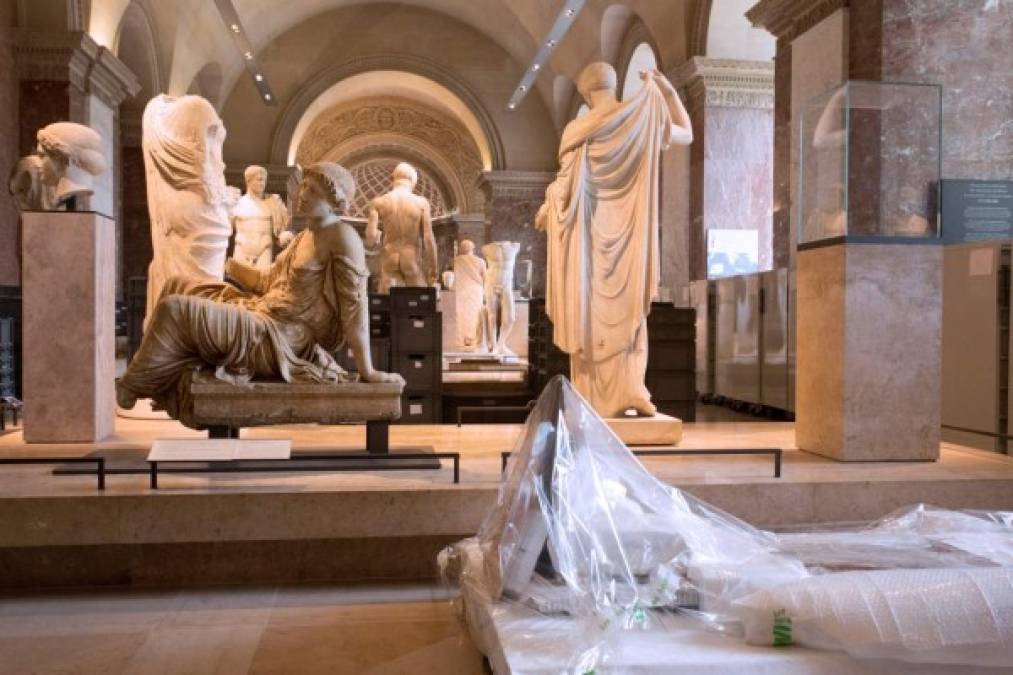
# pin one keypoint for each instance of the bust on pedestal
(69, 294)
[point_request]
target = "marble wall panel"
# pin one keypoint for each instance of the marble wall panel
(781, 205)
(965, 46)
(102, 119)
(9, 268)
(510, 216)
(674, 217)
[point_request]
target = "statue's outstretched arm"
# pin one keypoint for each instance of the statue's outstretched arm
(682, 126)
(429, 242)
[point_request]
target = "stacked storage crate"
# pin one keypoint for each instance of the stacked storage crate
(7, 378)
(671, 360)
(10, 344)
(417, 353)
(546, 359)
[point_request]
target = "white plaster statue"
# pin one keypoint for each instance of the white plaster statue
(187, 198)
(67, 158)
(469, 288)
(284, 323)
(407, 230)
(601, 218)
(500, 310)
(260, 222)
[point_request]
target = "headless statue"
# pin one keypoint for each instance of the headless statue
(469, 287)
(408, 232)
(260, 222)
(283, 323)
(499, 294)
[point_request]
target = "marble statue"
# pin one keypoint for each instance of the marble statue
(500, 311)
(469, 288)
(259, 221)
(283, 323)
(601, 221)
(187, 197)
(67, 158)
(407, 230)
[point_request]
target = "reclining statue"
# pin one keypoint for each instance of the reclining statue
(279, 324)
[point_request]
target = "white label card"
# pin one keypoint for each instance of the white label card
(415, 409)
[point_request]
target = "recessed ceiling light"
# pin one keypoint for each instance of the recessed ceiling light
(235, 27)
(512, 106)
(248, 55)
(571, 12)
(522, 88)
(258, 77)
(267, 97)
(536, 67)
(550, 43)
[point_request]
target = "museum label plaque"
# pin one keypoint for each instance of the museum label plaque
(977, 210)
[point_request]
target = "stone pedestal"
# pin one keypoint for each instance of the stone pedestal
(657, 430)
(869, 351)
(69, 326)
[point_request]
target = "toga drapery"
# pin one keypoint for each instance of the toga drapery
(601, 218)
(271, 331)
(469, 285)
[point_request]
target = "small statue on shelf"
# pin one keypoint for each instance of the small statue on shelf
(407, 230)
(283, 323)
(259, 221)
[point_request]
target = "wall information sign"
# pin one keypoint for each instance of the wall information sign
(976, 210)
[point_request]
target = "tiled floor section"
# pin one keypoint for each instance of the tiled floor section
(375, 630)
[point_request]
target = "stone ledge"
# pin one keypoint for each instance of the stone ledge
(217, 403)
(657, 430)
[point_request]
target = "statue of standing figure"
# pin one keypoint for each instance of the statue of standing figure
(409, 247)
(601, 218)
(260, 222)
(182, 142)
(469, 289)
(501, 312)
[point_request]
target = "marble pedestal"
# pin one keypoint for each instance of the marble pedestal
(657, 430)
(69, 326)
(869, 351)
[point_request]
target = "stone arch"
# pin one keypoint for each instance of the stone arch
(615, 23)
(134, 45)
(638, 53)
(722, 31)
(208, 83)
(316, 86)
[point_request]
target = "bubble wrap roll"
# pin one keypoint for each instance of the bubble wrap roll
(955, 616)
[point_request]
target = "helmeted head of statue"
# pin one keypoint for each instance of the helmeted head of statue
(598, 76)
(466, 247)
(405, 173)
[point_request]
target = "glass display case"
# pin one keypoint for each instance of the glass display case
(870, 162)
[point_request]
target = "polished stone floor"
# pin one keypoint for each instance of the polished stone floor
(288, 629)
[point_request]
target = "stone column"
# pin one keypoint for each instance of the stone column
(731, 160)
(512, 199)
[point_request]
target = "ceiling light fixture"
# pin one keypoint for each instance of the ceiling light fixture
(235, 27)
(564, 20)
(230, 17)
(258, 77)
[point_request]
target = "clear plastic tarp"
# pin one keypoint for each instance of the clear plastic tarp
(581, 530)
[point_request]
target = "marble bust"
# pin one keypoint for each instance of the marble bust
(187, 197)
(67, 158)
(408, 256)
(500, 310)
(259, 222)
(283, 323)
(601, 220)
(469, 287)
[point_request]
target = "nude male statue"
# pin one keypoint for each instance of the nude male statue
(407, 227)
(501, 311)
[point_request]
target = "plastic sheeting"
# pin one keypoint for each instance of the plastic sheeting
(582, 530)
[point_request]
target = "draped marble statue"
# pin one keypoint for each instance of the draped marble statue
(469, 289)
(500, 308)
(259, 221)
(182, 144)
(408, 257)
(68, 156)
(281, 324)
(601, 219)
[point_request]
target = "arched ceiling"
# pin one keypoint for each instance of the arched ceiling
(379, 83)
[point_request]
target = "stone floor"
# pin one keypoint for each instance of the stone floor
(289, 629)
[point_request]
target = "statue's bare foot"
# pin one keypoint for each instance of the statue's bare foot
(125, 398)
(380, 376)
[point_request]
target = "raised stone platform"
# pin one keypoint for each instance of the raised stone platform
(220, 404)
(657, 430)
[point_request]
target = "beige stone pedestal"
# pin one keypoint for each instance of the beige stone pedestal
(657, 430)
(69, 326)
(869, 351)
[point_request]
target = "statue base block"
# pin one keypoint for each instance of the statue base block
(657, 430)
(217, 403)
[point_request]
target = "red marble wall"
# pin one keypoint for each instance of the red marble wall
(136, 240)
(9, 271)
